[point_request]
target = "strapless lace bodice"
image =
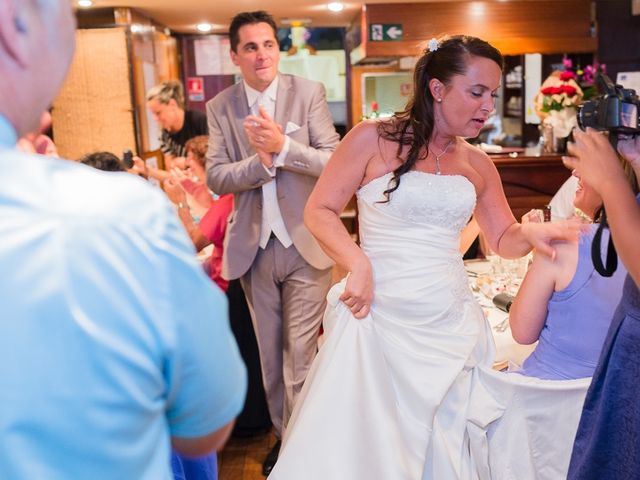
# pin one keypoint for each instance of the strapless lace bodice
(413, 241)
(445, 201)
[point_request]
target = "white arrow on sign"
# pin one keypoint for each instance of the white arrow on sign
(394, 32)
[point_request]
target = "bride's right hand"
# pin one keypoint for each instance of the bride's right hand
(358, 292)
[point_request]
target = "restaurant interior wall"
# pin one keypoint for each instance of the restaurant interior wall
(205, 60)
(102, 103)
(514, 27)
(94, 109)
(618, 35)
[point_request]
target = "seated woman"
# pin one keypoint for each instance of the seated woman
(192, 177)
(565, 305)
(210, 229)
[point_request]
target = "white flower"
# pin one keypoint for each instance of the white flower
(433, 45)
(562, 121)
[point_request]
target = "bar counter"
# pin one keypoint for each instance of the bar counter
(530, 178)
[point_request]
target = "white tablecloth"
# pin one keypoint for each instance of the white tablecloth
(508, 351)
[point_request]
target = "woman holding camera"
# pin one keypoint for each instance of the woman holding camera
(606, 445)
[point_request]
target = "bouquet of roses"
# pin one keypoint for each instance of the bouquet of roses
(557, 101)
(559, 91)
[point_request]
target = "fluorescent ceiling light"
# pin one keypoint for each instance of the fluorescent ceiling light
(204, 27)
(85, 3)
(335, 6)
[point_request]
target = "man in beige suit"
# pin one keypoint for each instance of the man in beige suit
(270, 136)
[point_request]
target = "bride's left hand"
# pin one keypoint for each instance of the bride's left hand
(358, 291)
(542, 235)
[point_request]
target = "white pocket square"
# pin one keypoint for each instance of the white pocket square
(290, 128)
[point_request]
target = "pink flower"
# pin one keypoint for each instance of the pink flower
(568, 64)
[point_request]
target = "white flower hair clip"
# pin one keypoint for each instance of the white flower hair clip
(433, 45)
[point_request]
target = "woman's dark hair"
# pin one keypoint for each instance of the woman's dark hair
(106, 161)
(414, 125)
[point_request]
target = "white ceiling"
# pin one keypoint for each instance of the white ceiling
(183, 15)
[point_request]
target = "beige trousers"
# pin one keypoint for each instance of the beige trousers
(287, 299)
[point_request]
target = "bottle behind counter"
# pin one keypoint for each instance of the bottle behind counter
(374, 110)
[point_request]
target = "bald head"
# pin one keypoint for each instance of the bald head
(36, 46)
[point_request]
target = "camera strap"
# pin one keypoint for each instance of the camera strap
(596, 256)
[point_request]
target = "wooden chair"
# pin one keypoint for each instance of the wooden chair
(154, 158)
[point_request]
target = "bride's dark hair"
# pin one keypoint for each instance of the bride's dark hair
(414, 125)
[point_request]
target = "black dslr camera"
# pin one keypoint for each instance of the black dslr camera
(616, 110)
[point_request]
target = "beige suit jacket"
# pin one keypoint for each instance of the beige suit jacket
(234, 167)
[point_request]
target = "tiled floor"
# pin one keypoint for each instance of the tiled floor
(241, 458)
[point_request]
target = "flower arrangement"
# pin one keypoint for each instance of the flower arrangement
(559, 91)
(585, 77)
(559, 97)
(556, 104)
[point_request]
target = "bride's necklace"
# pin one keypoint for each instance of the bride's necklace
(439, 155)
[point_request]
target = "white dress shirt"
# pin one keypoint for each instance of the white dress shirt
(271, 216)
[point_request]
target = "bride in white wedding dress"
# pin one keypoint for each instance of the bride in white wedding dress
(387, 395)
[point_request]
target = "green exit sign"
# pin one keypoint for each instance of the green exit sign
(384, 32)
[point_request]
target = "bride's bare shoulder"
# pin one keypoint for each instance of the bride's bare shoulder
(386, 155)
(366, 143)
(477, 158)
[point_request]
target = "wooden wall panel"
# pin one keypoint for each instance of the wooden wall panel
(93, 110)
(618, 36)
(515, 27)
(530, 182)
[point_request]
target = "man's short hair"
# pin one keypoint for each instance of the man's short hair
(166, 91)
(106, 161)
(248, 18)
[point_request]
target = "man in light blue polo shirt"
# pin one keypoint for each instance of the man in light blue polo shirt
(113, 343)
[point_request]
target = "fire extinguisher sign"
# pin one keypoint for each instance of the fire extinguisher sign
(195, 89)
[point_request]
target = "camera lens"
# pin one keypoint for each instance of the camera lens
(588, 115)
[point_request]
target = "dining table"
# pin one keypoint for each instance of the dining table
(485, 283)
